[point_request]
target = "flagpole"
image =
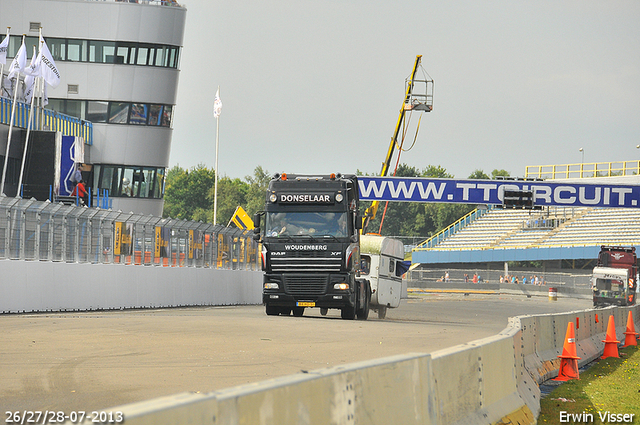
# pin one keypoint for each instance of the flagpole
(26, 142)
(215, 194)
(217, 107)
(13, 113)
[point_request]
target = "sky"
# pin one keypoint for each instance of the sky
(315, 87)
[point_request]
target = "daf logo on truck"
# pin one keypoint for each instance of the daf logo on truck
(305, 198)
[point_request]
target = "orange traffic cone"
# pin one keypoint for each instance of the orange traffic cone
(569, 363)
(630, 338)
(610, 342)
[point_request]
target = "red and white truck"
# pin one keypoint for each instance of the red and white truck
(615, 277)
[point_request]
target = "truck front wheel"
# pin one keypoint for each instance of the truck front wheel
(363, 311)
(272, 311)
(348, 313)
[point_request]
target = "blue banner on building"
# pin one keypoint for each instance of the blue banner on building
(491, 192)
(70, 155)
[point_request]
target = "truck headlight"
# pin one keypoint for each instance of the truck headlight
(271, 285)
(339, 197)
(341, 286)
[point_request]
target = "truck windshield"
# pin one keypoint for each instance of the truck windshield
(609, 287)
(306, 223)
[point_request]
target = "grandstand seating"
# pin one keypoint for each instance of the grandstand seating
(553, 227)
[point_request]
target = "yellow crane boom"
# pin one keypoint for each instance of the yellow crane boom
(412, 101)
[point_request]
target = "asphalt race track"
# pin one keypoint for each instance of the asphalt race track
(97, 360)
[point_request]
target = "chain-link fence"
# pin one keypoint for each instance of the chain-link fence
(45, 231)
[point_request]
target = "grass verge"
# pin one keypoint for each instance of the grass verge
(610, 386)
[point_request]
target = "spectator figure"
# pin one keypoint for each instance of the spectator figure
(466, 278)
(126, 187)
(524, 280)
(446, 276)
(77, 174)
(535, 278)
(501, 279)
(475, 278)
(81, 193)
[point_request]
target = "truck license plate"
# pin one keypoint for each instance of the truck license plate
(305, 304)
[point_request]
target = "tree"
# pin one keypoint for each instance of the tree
(231, 194)
(256, 193)
(500, 173)
(186, 192)
(479, 175)
(189, 195)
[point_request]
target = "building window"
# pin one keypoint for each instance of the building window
(97, 111)
(115, 112)
(98, 51)
(77, 50)
(101, 51)
(143, 55)
(166, 116)
(58, 49)
(118, 112)
(154, 114)
(138, 114)
(129, 182)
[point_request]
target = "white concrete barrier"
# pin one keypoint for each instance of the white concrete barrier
(491, 380)
(39, 286)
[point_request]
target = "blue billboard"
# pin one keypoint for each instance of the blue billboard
(545, 193)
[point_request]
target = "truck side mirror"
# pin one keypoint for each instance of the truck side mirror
(358, 221)
(256, 227)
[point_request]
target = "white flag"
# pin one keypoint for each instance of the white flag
(3, 49)
(19, 62)
(32, 71)
(49, 70)
(217, 104)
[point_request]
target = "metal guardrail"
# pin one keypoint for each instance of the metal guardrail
(46, 120)
(583, 170)
(45, 231)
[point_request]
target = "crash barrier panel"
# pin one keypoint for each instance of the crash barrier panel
(46, 231)
(495, 379)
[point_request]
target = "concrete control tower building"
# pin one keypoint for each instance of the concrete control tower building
(119, 67)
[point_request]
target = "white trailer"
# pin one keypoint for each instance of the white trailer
(381, 264)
